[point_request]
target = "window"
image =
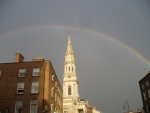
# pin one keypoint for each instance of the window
(20, 87)
(147, 83)
(80, 110)
(18, 107)
(22, 72)
(35, 87)
(51, 108)
(72, 68)
(69, 68)
(58, 90)
(33, 106)
(55, 84)
(52, 91)
(69, 90)
(52, 77)
(148, 91)
(147, 108)
(144, 94)
(55, 97)
(36, 72)
(6, 110)
(58, 100)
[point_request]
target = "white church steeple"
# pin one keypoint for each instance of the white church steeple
(70, 81)
(69, 67)
(71, 101)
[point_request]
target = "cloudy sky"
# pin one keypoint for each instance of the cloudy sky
(110, 40)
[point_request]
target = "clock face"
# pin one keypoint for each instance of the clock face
(69, 76)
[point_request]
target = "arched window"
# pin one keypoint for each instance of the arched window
(69, 90)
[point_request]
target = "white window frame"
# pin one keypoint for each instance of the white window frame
(144, 95)
(35, 87)
(36, 72)
(35, 106)
(51, 108)
(20, 88)
(22, 73)
(52, 77)
(55, 110)
(18, 105)
(52, 91)
(147, 83)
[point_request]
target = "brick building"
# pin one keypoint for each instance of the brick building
(145, 92)
(29, 87)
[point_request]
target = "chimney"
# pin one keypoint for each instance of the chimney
(38, 59)
(19, 57)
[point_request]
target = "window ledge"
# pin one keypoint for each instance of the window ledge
(21, 76)
(35, 76)
(19, 93)
(34, 93)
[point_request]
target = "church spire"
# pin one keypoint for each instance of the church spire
(69, 46)
(70, 80)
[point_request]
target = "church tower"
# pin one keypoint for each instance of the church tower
(70, 81)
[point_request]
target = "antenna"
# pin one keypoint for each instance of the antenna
(126, 105)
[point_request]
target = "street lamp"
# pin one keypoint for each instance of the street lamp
(126, 105)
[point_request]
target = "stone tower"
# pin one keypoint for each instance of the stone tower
(70, 81)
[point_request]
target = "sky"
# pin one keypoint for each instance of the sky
(110, 40)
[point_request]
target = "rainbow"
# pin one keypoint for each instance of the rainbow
(132, 50)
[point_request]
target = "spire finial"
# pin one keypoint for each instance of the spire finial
(69, 40)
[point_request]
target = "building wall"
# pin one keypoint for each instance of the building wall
(89, 109)
(57, 93)
(144, 84)
(8, 84)
(8, 87)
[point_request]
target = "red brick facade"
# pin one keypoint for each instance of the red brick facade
(47, 80)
